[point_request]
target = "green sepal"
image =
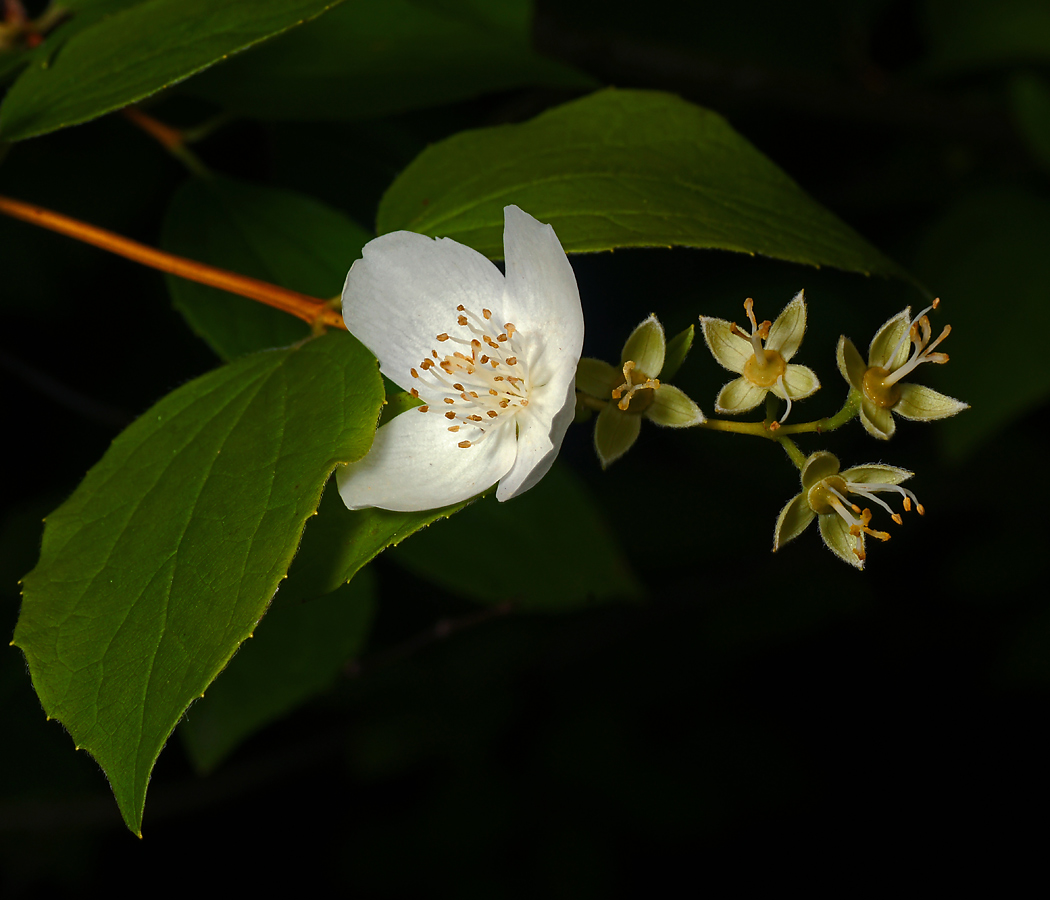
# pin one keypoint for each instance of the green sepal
(677, 350)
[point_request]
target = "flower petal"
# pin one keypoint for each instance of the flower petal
(801, 382)
(541, 297)
(541, 430)
(404, 291)
(876, 473)
(673, 408)
(730, 350)
(839, 541)
(918, 402)
(887, 339)
(876, 420)
(415, 464)
(646, 347)
(794, 518)
(851, 363)
(785, 334)
(739, 396)
(615, 432)
(817, 467)
(597, 378)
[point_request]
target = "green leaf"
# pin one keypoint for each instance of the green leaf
(136, 51)
(564, 556)
(276, 235)
(168, 553)
(622, 169)
(377, 57)
(296, 652)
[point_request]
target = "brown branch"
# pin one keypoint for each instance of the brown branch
(309, 309)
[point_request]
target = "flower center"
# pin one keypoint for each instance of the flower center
(878, 390)
(637, 386)
(880, 385)
(483, 384)
(765, 366)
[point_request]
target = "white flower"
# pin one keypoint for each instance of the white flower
(492, 357)
(761, 358)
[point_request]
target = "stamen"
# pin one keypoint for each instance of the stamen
(629, 386)
(462, 379)
(919, 333)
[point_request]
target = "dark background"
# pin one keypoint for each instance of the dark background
(756, 717)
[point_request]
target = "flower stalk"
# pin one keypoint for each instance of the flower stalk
(310, 309)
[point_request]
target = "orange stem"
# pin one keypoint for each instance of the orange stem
(170, 138)
(309, 309)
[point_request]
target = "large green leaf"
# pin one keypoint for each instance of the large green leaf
(376, 57)
(564, 554)
(275, 235)
(137, 50)
(168, 553)
(622, 169)
(297, 651)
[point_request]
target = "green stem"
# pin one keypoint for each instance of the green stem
(791, 449)
(849, 411)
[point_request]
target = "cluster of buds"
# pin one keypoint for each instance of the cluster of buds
(761, 356)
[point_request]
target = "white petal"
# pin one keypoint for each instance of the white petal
(730, 350)
(541, 294)
(889, 338)
(739, 396)
(923, 404)
(404, 291)
(541, 430)
(787, 331)
(415, 464)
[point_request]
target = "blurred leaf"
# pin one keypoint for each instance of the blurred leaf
(10, 62)
(168, 553)
(377, 57)
(622, 169)
(136, 51)
(972, 34)
(548, 550)
(296, 652)
(279, 236)
(1030, 99)
(987, 253)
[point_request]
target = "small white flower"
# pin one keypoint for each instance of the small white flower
(492, 357)
(761, 357)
